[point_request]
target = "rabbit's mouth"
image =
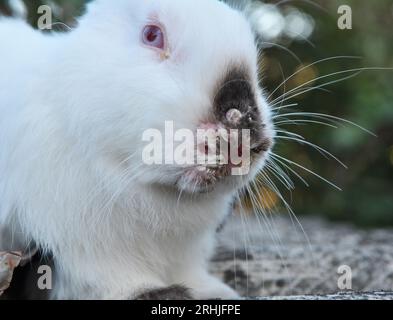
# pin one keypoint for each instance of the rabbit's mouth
(202, 179)
(206, 179)
(232, 175)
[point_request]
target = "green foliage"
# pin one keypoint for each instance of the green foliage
(367, 99)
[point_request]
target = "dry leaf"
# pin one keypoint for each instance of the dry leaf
(8, 262)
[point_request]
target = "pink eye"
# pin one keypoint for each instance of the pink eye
(153, 36)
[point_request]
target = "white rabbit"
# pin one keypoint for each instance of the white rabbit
(73, 109)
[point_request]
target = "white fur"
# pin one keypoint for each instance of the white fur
(74, 106)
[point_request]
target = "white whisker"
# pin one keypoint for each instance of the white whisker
(308, 66)
(307, 170)
(321, 150)
(324, 116)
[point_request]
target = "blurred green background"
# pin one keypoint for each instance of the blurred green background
(309, 31)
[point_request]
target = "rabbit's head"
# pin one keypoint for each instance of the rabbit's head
(171, 68)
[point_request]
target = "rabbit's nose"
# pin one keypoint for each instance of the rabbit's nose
(235, 103)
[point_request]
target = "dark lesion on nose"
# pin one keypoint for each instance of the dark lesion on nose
(235, 91)
(235, 105)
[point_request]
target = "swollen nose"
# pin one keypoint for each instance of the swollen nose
(235, 105)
